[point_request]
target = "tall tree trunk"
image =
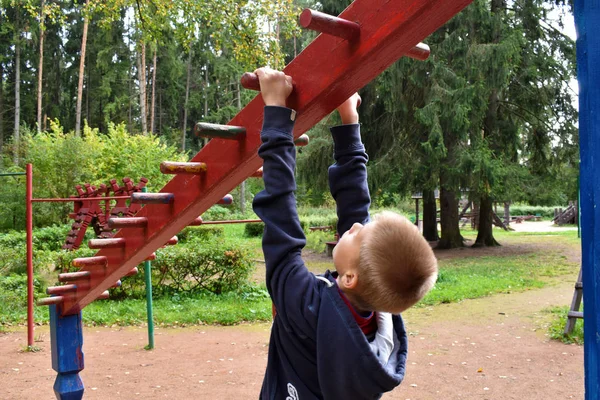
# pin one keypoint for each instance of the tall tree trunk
(41, 67)
(451, 237)
(142, 81)
(81, 71)
(187, 96)
(16, 134)
(1, 108)
(484, 235)
(430, 231)
(153, 106)
(160, 112)
(130, 122)
(506, 213)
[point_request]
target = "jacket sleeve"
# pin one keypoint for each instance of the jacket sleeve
(348, 177)
(290, 284)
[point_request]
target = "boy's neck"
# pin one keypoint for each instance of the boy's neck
(353, 302)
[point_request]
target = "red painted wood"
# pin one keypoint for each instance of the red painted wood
(302, 141)
(174, 168)
(131, 222)
(226, 200)
(74, 276)
(47, 301)
(152, 198)
(326, 73)
(258, 173)
(59, 290)
(330, 25)
(106, 243)
(90, 262)
(173, 241)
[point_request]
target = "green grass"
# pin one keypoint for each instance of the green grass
(471, 278)
(557, 324)
(460, 278)
(253, 304)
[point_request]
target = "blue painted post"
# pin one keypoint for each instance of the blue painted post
(66, 339)
(587, 22)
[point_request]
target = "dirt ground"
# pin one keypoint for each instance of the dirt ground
(489, 348)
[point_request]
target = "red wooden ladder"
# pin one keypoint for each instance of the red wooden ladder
(371, 35)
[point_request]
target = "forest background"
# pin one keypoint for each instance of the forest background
(94, 90)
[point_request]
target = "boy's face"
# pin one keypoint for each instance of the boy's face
(346, 253)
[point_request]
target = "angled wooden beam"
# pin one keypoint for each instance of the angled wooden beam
(326, 73)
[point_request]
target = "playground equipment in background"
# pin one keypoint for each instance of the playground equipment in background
(569, 216)
(353, 49)
(574, 313)
(90, 212)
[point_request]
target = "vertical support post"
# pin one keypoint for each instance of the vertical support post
(29, 228)
(417, 212)
(587, 23)
(66, 339)
(148, 280)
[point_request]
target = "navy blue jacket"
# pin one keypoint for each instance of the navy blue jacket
(316, 349)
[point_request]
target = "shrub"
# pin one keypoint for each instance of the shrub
(63, 260)
(546, 212)
(201, 265)
(200, 233)
(217, 213)
(321, 220)
(62, 160)
(254, 229)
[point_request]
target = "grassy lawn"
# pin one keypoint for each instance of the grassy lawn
(460, 278)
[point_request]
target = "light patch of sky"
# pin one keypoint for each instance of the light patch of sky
(567, 28)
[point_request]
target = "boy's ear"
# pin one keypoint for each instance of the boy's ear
(350, 280)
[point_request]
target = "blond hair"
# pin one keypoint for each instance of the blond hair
(396, 268)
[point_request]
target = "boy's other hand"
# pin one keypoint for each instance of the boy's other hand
(348, 111)
(275, 86)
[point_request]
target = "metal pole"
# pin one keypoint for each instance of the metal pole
(587, 23)
(13, 173)
(29, 228)
(148, 279)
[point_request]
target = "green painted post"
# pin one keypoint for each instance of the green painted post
(148, 278)
(12, 173)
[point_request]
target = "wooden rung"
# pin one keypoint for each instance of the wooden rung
(152, 198)
(227, 200)
(207, 130)
(197, 222)
(151, 257)
(330, 25)
(105, 295)
(302, 141)
(131, 222)
(59, 290)
(420, 52)
(257, 174)
(190, 168)
(132, 272)
(99, 261)
(47, 301)
(575, 314)
(106, 243)
(117, 284)
(173, 241)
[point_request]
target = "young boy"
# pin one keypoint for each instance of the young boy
(334, 336)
